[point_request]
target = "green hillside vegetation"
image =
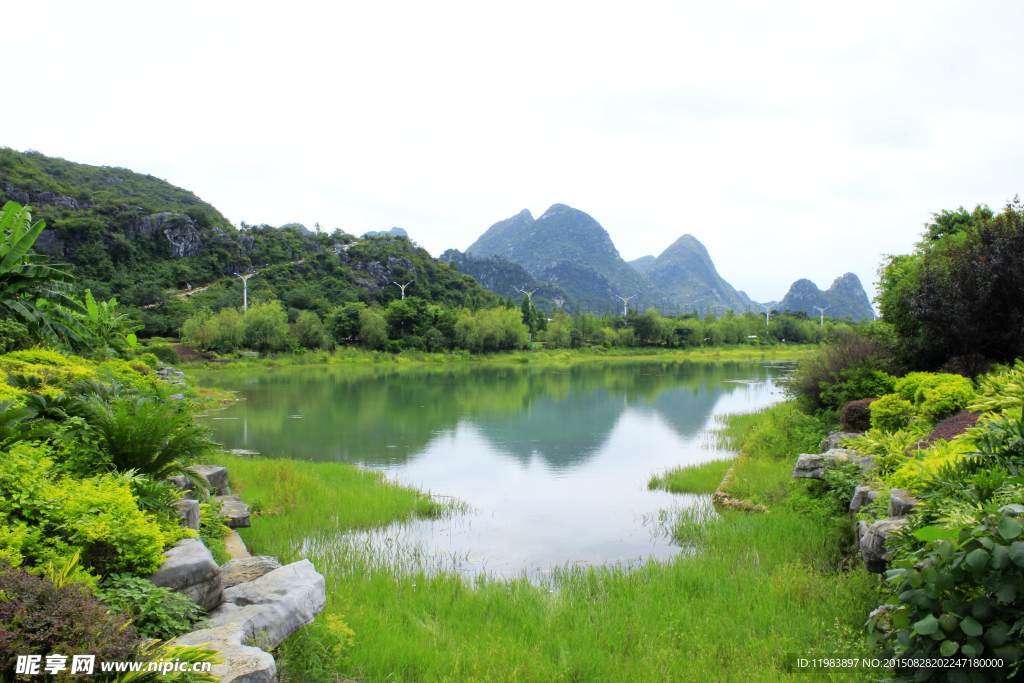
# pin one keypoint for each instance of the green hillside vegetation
(643, 263)
(569, 248)
(508, 279)
(846, 298)
(687, 275)
(144, 241)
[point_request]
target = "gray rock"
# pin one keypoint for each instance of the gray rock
(179, 229)
(188, 510)
(873, 540)
(242, 662)
(862, 495)
(182, 482)
(191, 571)
(250, 354)
(859, 530)
(275, 605)
(834, 439)
(813, 465)
(234, 510)
(901, 503)
(215, 474)
(247, 569)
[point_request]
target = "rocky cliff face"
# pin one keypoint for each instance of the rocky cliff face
(567, 247)
(687, 275)
(845, 298)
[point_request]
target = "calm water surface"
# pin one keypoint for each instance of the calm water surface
(554, 461)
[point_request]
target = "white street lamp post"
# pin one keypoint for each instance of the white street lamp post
(624, 309)
(529, 295)
(822, 311)
(245, 291)
(767, 313)
(403, 287)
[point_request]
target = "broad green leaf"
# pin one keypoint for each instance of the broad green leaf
(948, 648)
(948, 622)
(1006, 593)
(934, 533)
(977, 559)
(1010, 527)
(929, 574)
(1016, 553)
(927, 626)
(971, 628)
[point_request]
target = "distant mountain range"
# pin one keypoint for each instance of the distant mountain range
(846, 297)
(566, 247)
(569, 255)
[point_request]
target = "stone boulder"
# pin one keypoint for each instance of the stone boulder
(872, 543)
(217, 476)
(183, 483)
(835, 439)
(190, 570)
(901, 503)
(188, 510)
(862, 495)
(242, 662)
(234, 510)
(813, 465)
(272, 607)
(247, 569)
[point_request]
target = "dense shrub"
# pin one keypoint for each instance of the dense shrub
(39, 618)
(848, 368)
(13, 336)
(373, 329)
(946, 399)
(856, 415)
(149, 359)
(957, 598)
(311, 332)
(164, 353)
(266, 327)
(890, 413)
(494, 329)
(156, 612)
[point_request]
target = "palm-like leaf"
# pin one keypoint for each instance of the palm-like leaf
(33, 291)
(151, 437)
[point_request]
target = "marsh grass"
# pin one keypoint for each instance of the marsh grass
(702, 478)
(744, 591)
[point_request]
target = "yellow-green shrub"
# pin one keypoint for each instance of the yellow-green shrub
(149, 359)
(948, 398)
(890, 413)
(912, 474)
(104, 511)
(999, 391)
(40, 356)
(9, 393)
(122, 372)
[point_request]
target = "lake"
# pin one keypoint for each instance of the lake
(553, 460)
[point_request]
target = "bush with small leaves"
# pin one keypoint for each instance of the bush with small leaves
(856, 415)
(891, 413)
(40, 618)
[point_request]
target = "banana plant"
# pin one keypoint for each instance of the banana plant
(33, 291)
(107, 329)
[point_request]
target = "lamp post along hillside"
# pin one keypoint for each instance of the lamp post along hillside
(403, 287)
(245, 291)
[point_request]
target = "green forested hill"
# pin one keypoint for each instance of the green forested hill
(567, 247)
(146, 241)
(846, 298)
(505, 278)
(686, 273)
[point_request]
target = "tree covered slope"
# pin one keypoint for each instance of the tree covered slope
(686, 273)
(145, 241)
(845, 298)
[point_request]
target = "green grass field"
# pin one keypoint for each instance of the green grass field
(703, 478)
(745, 590)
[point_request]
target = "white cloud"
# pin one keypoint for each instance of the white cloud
(794, 139)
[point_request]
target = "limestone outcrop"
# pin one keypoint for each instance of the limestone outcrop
(243, 663)
(190, 570)
(813, 465)
(272, 607)
(248, 569)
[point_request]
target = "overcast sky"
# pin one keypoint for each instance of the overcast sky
(794, 139)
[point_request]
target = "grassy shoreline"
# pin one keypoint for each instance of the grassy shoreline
(750, 589)
(361, 357)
